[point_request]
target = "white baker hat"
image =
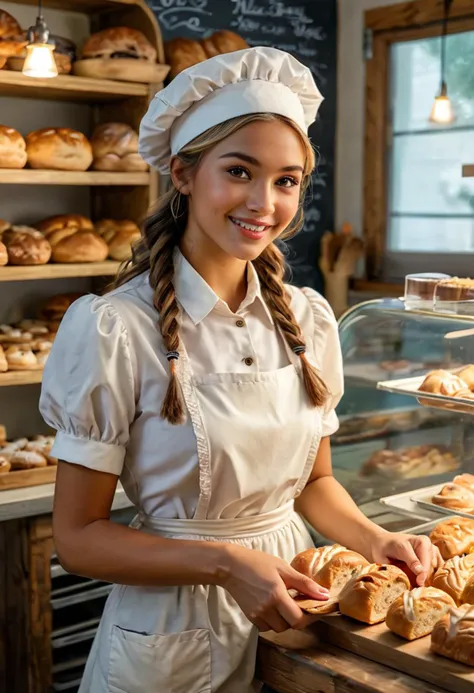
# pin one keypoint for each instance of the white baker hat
(254, 80)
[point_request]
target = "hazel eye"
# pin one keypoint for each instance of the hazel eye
(239, 172)
(287, 182)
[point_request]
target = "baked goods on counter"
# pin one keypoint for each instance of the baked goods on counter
(453, 635)
(12, 40)
(414, 613)
(73, 239)
(368, 596)
(457, 495)
(26, 454)
(26, 246)
(53, 309)
(24, 349)
(58, 149)
(119, 235)
(443, 382)
(330, 566)
(119, 42)
(12, 148)
(115, 148)
(454, 536)
(453, 576)
(3, 252)
(410, 463)
(182, 53)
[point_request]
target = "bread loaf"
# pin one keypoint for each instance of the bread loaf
(12, 41)
(119, 236)
(20, 359)
(115, 148)
(119, 42)
(454, 536)
(223, 41)
(26, 246)
(414, 613)
(27, 459)
(442, 382)
(330, 566)
(12, 148)
(453, 635)
(453, 576)
(368, 596)
(73, 239)
(58, 149)
(182, 53)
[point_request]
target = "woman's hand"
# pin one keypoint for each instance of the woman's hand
(417, 552)
(259, 583)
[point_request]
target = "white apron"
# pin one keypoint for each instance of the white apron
(195, 639)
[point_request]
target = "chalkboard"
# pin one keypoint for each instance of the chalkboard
(308, 30)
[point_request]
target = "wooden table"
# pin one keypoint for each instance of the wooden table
(323, 668)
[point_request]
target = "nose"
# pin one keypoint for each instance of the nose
(261, 198)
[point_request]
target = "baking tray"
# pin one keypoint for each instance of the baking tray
(406, 503)
(410, 387)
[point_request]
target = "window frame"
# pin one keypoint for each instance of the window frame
(407, 21)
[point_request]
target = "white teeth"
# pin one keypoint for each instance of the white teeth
(249, 227)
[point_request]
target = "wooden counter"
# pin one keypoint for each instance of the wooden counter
(323, 668)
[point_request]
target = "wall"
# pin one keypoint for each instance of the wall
(351, 107)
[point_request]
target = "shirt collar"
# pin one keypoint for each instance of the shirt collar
(198, 299)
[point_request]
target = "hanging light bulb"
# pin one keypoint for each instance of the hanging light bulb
(39, 61)
(442, 112)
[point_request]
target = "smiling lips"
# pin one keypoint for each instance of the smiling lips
(250, 228)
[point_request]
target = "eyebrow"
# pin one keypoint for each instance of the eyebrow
(255, 162)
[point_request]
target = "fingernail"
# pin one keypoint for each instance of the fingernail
(418, 568)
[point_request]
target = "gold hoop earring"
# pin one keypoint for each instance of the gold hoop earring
(175, 214)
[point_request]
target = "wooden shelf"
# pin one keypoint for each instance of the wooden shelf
(68, 88)
(87, 6)
(53, 271)
(26, 176)
(20, 378)
(468, 171)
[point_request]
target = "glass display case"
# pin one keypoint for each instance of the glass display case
(394, 440)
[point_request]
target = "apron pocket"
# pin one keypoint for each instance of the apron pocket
(173, 663)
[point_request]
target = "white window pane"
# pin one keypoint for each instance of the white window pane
(408, 234)
(426, 173)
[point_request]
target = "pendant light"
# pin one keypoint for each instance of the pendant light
(39, 61)
(442, 112)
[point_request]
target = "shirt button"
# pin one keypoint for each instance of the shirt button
(248, 361)
(240, 323)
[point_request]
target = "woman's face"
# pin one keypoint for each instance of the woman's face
(246, 191)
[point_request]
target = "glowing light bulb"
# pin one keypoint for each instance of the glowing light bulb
(40, 61)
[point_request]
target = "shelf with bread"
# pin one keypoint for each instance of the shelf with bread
(26, 461)
(11, 273)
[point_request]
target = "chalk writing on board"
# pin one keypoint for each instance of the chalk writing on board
(182, 14)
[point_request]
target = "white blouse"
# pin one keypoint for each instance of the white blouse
(107, 374)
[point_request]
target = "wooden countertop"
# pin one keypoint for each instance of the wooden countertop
(323, 668)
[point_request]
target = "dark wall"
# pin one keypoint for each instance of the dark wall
(308, 30)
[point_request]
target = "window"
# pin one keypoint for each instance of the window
(419, 210)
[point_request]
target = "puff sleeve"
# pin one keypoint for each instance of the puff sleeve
(88, 387)
(328, 356)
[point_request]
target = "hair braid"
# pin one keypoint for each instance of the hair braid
(270, 267)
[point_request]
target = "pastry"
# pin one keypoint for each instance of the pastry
(58, 148)
(442, 382)
(467, 375)
(3, 362)
(453, 635)
(119, 236)
(3, 254)
(115, 148)
(12, 335)
(26, 246)
(119, 42)
(454, 536)
(414, 613)
(454, 289)
(20, 359)
(182, 53)
(223, 41)
(12, 148)
(330, 566)
(368, 596)
(73, 239)
(455, 497)
(410, 463)
(27, 459)
(12, 41)
(453, 575)
(5, 464)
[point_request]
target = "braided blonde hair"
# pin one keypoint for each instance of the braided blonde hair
(162, 233)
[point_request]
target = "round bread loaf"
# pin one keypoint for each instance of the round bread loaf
(119, 236)
(115, 148)
(26, 246)
(73, 239)
(182, 53)
(414, 613)
(59, 149)
(119, 42)
(9, 27)
(12, 148)
(223, 41)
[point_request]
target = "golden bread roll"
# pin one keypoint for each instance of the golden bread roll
(12, 148)
(60, 149)
(467, 596)
(453, 576)
(119, 235)
(330, 566)
(467, 375)
(414, 613)
(20, 359)
(73, 239)
(223, 42)
(26, 246)
(182, 53)
(3, 254)
(455, 497)
(115, 148)
(119, 42)
(56, 306)
(14, 335)
(453, 635)
(368, 596)
(9, 27)
(3, 361)
(442, 382)
(453, 537)
(410, 463)
(27, 459)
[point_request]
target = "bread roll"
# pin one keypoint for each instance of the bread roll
(119, 42)
(223, 42)
(73, 239)
(442, 383)
(3, 361)
(12, 148)
(454, 536)
(119, 236)
(182, 53)
(467, 375)
(455, 497)
(410, 463)
(414, 613)
(26, 246)
(3, 254)
(368, 596)
(115, 148)
(27, 459)
(12, 41)
(56, 306)
(58, 149)
(5, 465)
(330, 566)
(453, 576)
(20, 359)
(14, 335)
(453, 635)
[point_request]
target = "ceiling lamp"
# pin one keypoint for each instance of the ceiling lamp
(442, 112)
(39, 61)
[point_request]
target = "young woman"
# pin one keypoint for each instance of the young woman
(208, 387)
